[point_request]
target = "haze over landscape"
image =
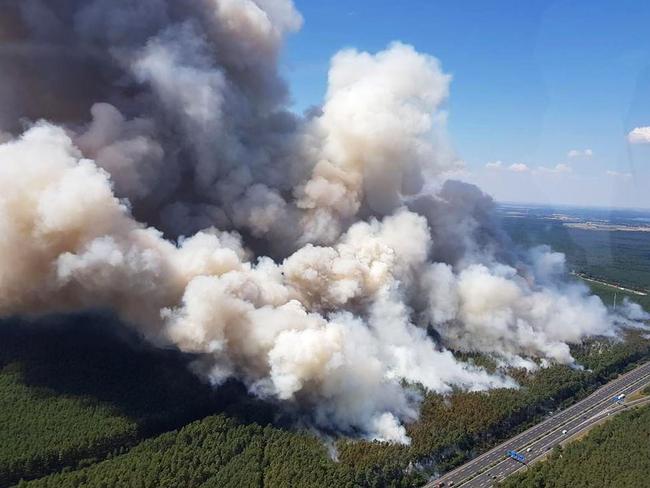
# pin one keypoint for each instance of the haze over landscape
(341, 260)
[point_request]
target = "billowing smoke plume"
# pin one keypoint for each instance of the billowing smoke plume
(329, 260)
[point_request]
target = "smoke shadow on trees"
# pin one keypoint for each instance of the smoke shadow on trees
(93, 356)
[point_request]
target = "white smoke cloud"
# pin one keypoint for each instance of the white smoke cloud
(496, 311)
(321, 251)
(69, 243)
(377, 134)
(633, 312)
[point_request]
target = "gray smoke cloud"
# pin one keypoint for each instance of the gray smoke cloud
(149, 163)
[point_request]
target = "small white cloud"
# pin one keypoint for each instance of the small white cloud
(563, 168)
(458, 173)
(494, 165)
(518, 168)
(639, 135)
(558, 168)
(500, 165)
(580, 153)
(617, 174)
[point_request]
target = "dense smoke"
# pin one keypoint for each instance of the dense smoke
(328, 258)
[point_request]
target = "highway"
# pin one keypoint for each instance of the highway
(493, 466)
(539, 449)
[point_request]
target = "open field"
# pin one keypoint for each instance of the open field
(621, 257)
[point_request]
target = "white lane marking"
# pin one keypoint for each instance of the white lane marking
(569, 415)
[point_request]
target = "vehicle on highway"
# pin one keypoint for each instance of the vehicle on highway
(595, 408)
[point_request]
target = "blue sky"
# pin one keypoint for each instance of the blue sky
(532, 81)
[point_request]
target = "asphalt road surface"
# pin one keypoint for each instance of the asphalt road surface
(493, 466)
